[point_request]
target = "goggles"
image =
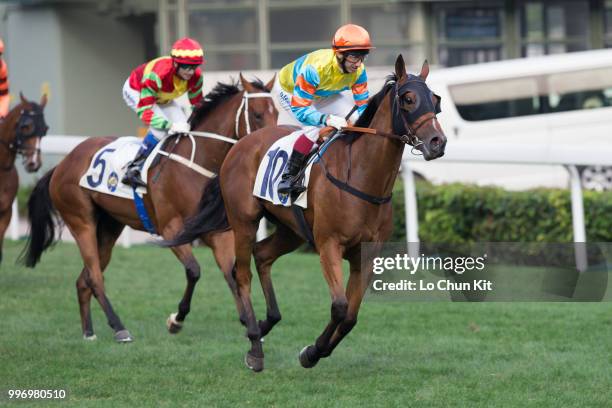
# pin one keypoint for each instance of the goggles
(187, 67)
(354, 58)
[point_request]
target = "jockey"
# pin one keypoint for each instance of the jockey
(4, 84)
(151, 91)
(310, 92)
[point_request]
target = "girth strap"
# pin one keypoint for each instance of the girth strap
(360, 194)
(306, 232)
(143, 214)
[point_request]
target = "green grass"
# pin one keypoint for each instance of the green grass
(399, 354)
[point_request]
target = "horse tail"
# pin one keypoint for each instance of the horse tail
(211, 216)
(41, 221)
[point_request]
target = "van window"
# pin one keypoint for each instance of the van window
(587, 89)
(497, 99)
(561, 92)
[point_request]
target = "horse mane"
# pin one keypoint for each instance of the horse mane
(219, 94)
(373, 104)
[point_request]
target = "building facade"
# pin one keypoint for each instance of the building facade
(266, 34)
(81, 51)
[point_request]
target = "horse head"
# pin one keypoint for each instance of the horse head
(257, 109)
(29, 128)
(414, 109)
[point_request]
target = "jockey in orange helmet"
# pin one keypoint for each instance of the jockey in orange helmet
(4, 84)
(151, 91)
(310, 91)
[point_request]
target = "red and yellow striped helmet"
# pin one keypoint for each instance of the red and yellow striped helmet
(351, 37)
(187, 51)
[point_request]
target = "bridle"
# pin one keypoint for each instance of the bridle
(425, 112)
(34, 119)
(244, 107)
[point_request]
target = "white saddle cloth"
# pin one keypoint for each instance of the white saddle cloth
(271, 168)
(109, 165)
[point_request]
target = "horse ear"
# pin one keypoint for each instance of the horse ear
(246, 85)
(270, 83)
(43, 100)
(400, 67)
(23, 99)
(424, 70)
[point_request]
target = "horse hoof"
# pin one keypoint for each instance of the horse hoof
(254, 363)
(90, 338)
(305, 360)
(174, 326)
(123, 336)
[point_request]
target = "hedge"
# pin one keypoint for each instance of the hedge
(458, 213)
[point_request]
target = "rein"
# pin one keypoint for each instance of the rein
(212, 136)
(244, 107)
(422, 114)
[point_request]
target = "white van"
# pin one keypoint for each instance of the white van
(564, 98)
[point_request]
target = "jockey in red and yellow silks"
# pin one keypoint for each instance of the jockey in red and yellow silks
(151, 91)
(311, 92)
(4, 84)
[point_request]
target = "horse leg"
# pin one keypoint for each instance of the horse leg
(331, 261)
(84, 293)
(222, 245)
(245, 233)
(282, 241)
(108, 232)
(84, 232)
(355, 290)
(184, 253)
(5, 219)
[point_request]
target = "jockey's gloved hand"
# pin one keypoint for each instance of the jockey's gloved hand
(179, 127)
(336, 121)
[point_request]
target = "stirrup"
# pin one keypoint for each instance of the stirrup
(293, 189)
(133, 180)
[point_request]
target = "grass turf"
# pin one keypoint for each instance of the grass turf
(399, 354)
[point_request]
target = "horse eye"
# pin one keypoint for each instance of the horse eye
(258, 116)
(408, 100)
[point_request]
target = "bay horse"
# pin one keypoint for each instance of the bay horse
(403, 112)
(174, 190)
(20, 134)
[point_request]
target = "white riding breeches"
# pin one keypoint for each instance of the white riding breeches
(172, 111)
(339, 105)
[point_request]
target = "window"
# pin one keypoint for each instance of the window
(587, 89)
(297, 29)
(469, 34)
(497, 99)
(568, 91)
(553, 27)
(229, 35)
(608, 23)
(395, 28)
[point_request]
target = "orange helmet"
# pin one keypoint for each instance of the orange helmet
(351, 37)
(187, 51)
(1, 46)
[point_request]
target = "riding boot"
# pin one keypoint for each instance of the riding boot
(132, 175)
(286, 186)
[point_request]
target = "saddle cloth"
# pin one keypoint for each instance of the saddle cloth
(271, 168)
(109, 165)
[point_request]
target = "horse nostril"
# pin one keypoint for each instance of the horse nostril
(435, 143)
